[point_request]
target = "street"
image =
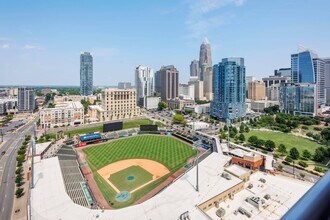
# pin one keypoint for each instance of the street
(12, 143)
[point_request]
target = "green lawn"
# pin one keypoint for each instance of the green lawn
(166, 150)
(288, 140)
(122, 180)
(99, 128)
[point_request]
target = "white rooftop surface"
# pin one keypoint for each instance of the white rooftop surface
(238, 152)
(284, 192)
(50, 201)
(237, 170)
(41, 147)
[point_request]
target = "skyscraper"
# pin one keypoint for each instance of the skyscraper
(327, 79)
(205, 55)
(86, 74)
(124, 85)
(229, 89)
(167, 82)
(194, 68)
(26, 99)
(306, 67)
(144, 81)
(206, 70)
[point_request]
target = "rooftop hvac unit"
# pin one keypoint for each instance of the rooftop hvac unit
(220, 212)
(262, 180)
(226, 176)
(267, 196)
(255, 201)
(250, 186)
(244, 212)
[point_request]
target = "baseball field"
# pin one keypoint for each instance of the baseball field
(127, 169)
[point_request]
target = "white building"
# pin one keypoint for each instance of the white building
(198, 125)
(150, 102)
(144, 81)
(186, 91)
(199, 109)
(64, 114)
(260, 105)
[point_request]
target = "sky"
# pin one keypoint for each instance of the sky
(41, 41)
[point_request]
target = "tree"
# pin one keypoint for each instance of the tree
(178, 119)
(247, 129)
(225, 128)
(241, 137)
(302, 175)
(18, 179)
(259, 143)
(294, 153)
(282, 149)
(19, 171)
(241, 128)
(253, 139)
(162, 105)
(318, 155)
(270, 145)
(85, 104)
(223, 136)
(19, 192)
(307, 154)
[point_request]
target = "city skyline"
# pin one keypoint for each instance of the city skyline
(28, 49)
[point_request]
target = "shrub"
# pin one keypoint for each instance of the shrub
(303, 163)
(294, 153)
(288, 159)
(19, 192)
(317, 129)
(302, 175)
(304, 127)
(319, 169)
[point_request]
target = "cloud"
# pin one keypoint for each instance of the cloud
(32, 47)
(205, 15)
(5, 46)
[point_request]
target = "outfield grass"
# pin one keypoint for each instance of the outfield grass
(121, 181)
(288, 140)
(166, 150)
(99, 128)
(163, 149)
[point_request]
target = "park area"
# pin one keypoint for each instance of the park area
(135, 165)
(99, 128)
(287, 139)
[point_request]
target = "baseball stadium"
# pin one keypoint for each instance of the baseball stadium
(127, 169)
(138, 174)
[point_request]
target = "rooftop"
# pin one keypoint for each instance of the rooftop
(50, 201)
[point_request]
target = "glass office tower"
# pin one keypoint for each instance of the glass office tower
(306, 67)
(86, 74)
(298, 99)
(229, 89)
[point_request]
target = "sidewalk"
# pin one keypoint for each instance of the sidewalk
(20, 204)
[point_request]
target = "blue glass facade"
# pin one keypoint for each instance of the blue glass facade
(229, 89)
(298, 99)
(86, 74)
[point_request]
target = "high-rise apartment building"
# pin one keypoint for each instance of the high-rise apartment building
(194, 68)
(327, 79)
(26, 99)
(124, 85)
(229, 89)
(298, 99)
(167, 82)
(144, 81)
(257, 90)
(306, 67)
(86, 74)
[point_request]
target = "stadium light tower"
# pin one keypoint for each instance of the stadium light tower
(197, 144)
(32, 154)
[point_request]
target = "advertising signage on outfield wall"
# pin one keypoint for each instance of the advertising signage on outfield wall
(148, 128)
(114, 126)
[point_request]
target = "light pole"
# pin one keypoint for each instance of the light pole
(196, 146)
